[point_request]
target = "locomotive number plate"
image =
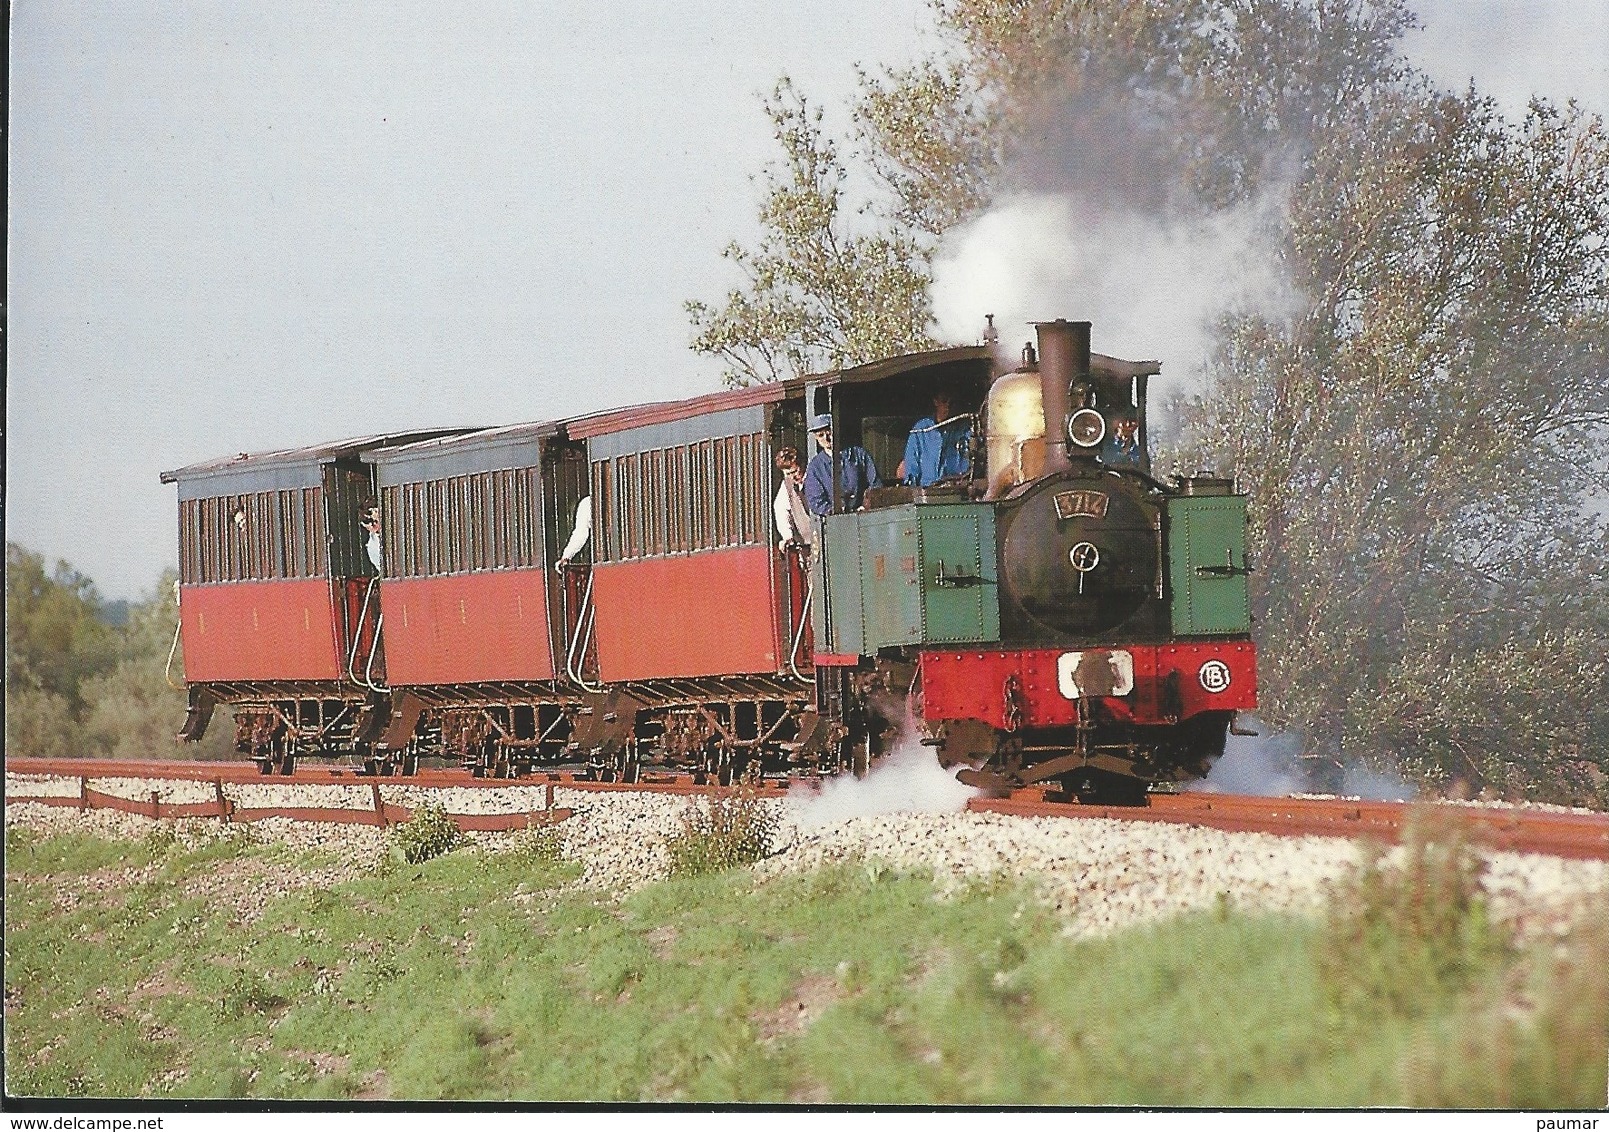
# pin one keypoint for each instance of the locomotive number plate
(1081, 504)
(1099, 672)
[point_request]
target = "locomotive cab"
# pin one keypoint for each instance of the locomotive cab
(879, 406)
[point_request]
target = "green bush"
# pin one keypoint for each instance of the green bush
(428, 833)
(729, 832)
(1401, 937)
(540, 844)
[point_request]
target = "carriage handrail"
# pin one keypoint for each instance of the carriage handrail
(575, 657)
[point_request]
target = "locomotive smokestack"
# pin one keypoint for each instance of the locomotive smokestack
(1063, 359)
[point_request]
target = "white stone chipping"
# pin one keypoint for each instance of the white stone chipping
(1100, 875)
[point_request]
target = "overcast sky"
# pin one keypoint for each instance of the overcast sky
(252, 226)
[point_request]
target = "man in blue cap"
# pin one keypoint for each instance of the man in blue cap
(856, 471)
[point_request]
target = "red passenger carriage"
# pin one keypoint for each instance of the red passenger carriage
(275, 604)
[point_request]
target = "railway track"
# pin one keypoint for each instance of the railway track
(1569, 834)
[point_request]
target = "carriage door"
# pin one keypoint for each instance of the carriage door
(353, 577)
(565, 482)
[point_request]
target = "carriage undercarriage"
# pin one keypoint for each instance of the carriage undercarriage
(719, 730)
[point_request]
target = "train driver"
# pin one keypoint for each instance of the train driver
(938, 445)
(856, 471)
(580, 533)
(795, 527)
(1122, 448)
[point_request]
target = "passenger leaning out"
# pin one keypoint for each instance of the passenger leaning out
(796, 529)
(369, 520)
(580, 534)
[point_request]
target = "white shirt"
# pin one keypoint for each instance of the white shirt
(582, 531)
(793, 518)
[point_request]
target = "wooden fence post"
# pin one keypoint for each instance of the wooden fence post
(223, 803)
(156, 805)
(83, 792)
(379, 805)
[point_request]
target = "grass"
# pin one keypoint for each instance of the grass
(475, 976)
(1402, 936)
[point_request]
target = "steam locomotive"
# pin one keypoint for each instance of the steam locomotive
(1050, 615)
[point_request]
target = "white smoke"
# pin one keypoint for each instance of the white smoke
(1270, 765)
(906, 780)
(1151, 284)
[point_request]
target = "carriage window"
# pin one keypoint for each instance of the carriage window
(253, 537)
(462, 524)
(698, 496)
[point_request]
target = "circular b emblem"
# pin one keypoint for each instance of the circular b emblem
(1214, 676)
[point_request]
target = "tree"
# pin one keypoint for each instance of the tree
(818, 294)
(1421, 442)
(1154, 105)
(77, 685)
(54, 642)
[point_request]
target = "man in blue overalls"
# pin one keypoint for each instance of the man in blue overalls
(937, 446)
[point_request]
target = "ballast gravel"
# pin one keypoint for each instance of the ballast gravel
(1099, 875)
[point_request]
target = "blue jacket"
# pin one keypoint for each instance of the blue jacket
(1117, 454)
(856, 472)
(932, 453)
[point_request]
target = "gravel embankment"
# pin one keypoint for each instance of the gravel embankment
(1100, 875)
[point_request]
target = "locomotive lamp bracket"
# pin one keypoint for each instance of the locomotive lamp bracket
(960, 578)
(1227, 570)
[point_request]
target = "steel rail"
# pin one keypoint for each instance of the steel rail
(1555, 833)
(1573, 834)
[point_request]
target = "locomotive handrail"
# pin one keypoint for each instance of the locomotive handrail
(1227, 570)
(960, 578)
